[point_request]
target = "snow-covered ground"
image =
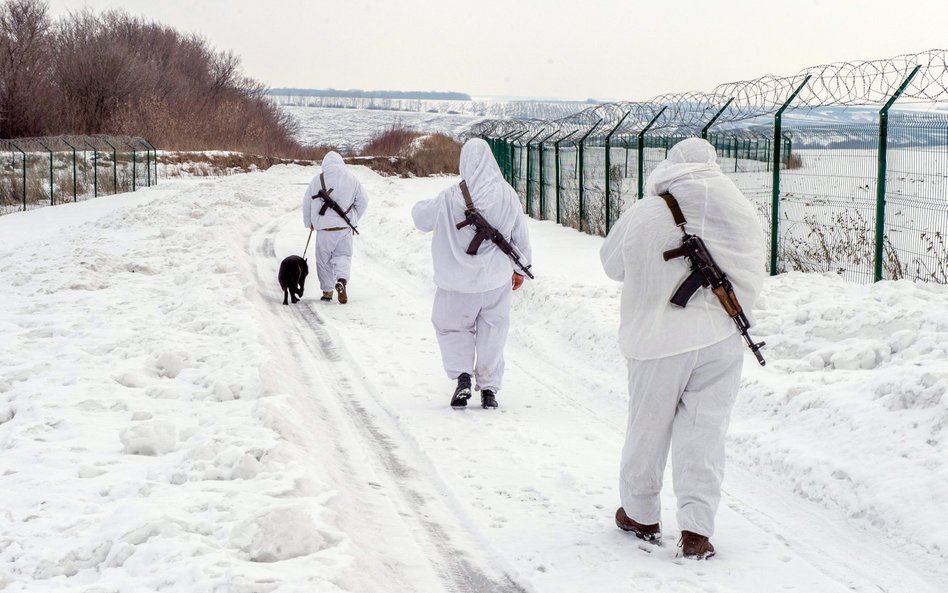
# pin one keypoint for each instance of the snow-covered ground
(166, 424)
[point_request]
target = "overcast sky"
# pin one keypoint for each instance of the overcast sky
(605, 49)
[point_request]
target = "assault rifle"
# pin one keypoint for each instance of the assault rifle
(705, 272)
(483, 230)
(331, 203)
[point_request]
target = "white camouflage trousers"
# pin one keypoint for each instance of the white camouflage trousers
(472, 330)
(333, 257)
(683, 401)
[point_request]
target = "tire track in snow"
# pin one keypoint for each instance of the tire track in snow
(434, 524)
(451, 561)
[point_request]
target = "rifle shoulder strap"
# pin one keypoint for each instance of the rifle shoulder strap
(479, 233)
(467, 195)
(672, 204)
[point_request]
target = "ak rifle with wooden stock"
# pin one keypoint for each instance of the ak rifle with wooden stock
(705, 272)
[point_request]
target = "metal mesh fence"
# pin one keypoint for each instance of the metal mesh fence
(842, 183)
(916, 221)
(37, 172)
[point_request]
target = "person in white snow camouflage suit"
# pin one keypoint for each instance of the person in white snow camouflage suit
(684, 363)
(333, 233)
(471, 312)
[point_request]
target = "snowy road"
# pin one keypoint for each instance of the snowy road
(534, 482)
(167, 424)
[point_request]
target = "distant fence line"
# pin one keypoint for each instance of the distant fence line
(864, 195)
(36, 172)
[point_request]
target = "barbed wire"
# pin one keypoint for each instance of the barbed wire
(870, 82)
(66, 143)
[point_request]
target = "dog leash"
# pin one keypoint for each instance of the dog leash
(307, 243)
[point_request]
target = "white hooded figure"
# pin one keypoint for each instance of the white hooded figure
(333, 233)
(471, 312)
(684, 363)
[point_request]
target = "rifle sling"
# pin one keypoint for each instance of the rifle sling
(481, 234)
(675, 210)
(695, 280)
(467, 196)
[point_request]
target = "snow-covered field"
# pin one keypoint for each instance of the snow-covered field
(166, 424)
(351, 129)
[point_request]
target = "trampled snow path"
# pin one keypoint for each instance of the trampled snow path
(167, 424)
(537, 477)
(409, 489)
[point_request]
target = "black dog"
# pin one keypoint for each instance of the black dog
(293, 271)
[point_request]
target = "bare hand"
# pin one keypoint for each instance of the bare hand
(516, 280)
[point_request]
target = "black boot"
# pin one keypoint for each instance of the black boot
(488, 399)
(463, 391)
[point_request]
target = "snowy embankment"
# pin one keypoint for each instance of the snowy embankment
(161, 430)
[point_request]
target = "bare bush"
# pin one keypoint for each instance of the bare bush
(437, 154)
(406, 153)
(25, 89)
(112, 73)
(395, 141)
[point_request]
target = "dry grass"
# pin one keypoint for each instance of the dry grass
(395, 141)
(177, 164)
(407, 153)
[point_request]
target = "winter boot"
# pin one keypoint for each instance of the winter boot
(488, 400)
(694, 546)
(650, 533)
(463, 391)
(341, 289)
(327, 296)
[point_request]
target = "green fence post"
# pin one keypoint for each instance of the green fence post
(516, 173)
(556, 158)
(641, 140)
(737, 147)
(114, 167)
(582, 175)
(22, 152)
(707, 126)
(147, 163)
(609, 171)
(775, 202)
(530, 201)
(95, 172)
(154, 160)
(542, 195)
(508, 157)
(134, 164)
(74, 171)
(51, 196)
(880, 196)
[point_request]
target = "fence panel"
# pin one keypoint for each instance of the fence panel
(569, 186)
(37, 172)
(828, 189)
(828, 199)
(547, 206)
(916, 221)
